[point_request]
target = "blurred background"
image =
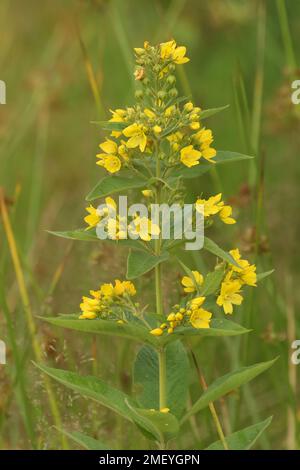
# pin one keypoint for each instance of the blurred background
(65, 64)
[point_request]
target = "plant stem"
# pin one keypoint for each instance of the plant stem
(211, 404)
(162, 378)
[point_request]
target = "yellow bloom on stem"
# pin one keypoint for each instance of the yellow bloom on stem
(144, 228)
(190, 284)
(170, 51)
(118, 115)
(246, 271)
(109, 160)
(93, 218)
(204, 138)
(147, 192)
(156, 332)
(137, 136)
(197, 302)
(200, 318)
(189, 156)
(225, 215)
(107, 290)
(122, 287)
(229, 295)
(210, 206)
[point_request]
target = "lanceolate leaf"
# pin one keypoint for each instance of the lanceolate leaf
(206, 113)
(92, 387)
(146, 377)
(227, 383)
(132, 331)
(91, 236)
(139, 263)
(111, 126)
(113, 184)
(213, 248)
(262, 276)
(212, 282)
(218, 327)
(203, 167)
(85, 441)
(243, 439)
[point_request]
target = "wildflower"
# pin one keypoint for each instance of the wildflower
(157, 129)
(150, 114)
(229, 295)
(147, 192)
(117, 116)
(137, 136)
(156, 332)
(204, 138)
(210, 206)
(188, 106)
(189, 156)
(170, 50)
(225, 215)
(200, 318)
(196, 302)
(246, 272)
(190, 284)
(143, 228)
(109, 160)
(93, 218)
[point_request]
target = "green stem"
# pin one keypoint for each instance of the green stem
(162, 379)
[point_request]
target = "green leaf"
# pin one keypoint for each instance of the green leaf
(92, 387)
(113, 184)
(212, 282)
(91, 236)
(212, 247)
(132, 331)
(262, 276)
(243, 439)
(140, 263)
(146, 377)
(110, 125)
(159, 426)
(85, 441)
(218, 327)
(206, 113)
(227, 383)
(195, 171)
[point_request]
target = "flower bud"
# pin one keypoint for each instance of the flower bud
(173, 93)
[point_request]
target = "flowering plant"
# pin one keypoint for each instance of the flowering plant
(157, 146)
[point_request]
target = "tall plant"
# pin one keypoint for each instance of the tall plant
(157, 146)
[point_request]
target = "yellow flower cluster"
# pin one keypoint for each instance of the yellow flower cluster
(193, 314)
(236, 277)
(105, 302)
(214, 205)
(116, 226)
(156, 115)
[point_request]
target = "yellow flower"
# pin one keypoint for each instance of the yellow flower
(156, 332)
(147, 192)
(137, 136)
(197, 302)
(170, 51)
(200, 318)
(117, 116)
(246, 271)
(157, 129)
(144, 228)
(122, 287)
(229, 295)
(188, 106)
(170, 110)
(194, 125)
(225, 215)
(88, 316)
(190, 284)
(164, 410)
(210, 206)
(107, 290)
(205, 138)
(93, 218)
(189, 156)
(150, 114)
(116, 228)
(109, 160)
